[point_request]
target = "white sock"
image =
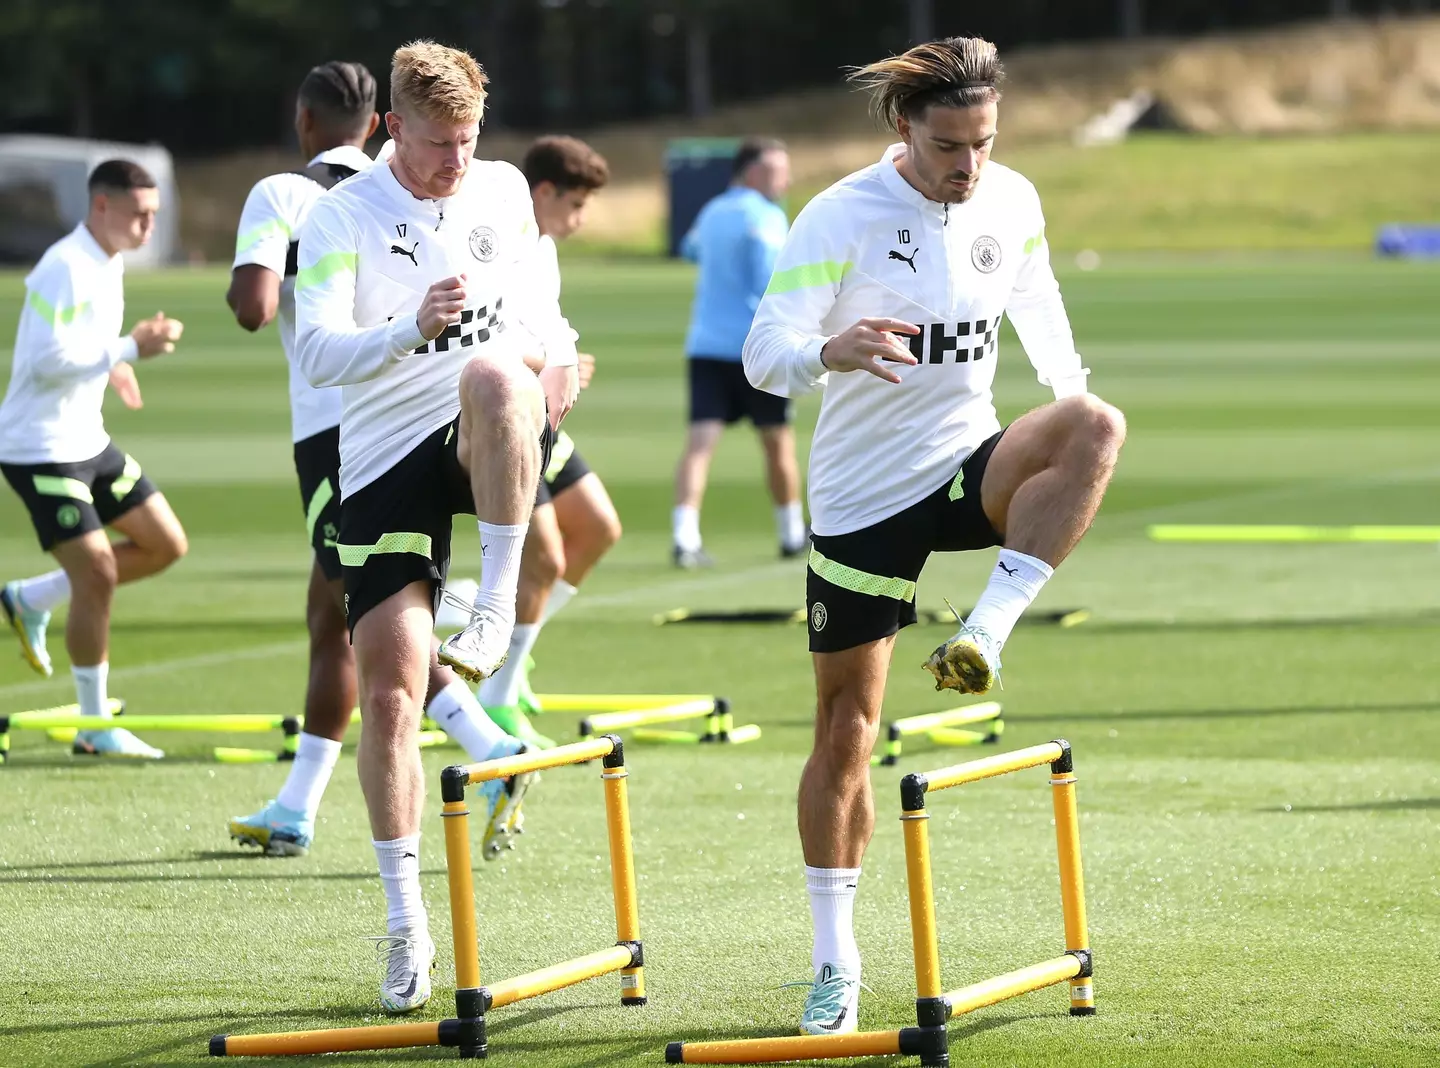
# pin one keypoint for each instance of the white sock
(1014, 583)
(400, 875)
(560, 595)
(44, 592)
(315, 759)
(790, 524)
(500, 548)
(502, 689)
(685, 527)
(461, 717)
(90, 683)
(832, 909)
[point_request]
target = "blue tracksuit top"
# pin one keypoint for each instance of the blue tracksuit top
(735, 240)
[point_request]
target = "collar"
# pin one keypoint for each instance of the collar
(345, 155)
(408, 201)
(85, 240)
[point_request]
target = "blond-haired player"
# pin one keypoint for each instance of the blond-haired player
(888, 294)
(409, 273)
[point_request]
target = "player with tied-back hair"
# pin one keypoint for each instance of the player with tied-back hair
(334, 117)
(888, 295)
(410, 274)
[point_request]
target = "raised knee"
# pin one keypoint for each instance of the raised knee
(175, 546)
(548, 562)
(493, 385)
(1096, 421)
(98, 575)
(609, 530)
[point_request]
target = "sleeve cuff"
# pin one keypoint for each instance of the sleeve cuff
(126, 351)
(405, 337)
(810, 360)
(1071, 385)
(562, 355)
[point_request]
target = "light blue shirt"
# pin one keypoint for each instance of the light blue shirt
(735, 240)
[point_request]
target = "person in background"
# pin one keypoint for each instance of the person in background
(735, 240)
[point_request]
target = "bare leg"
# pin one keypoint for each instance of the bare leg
(155, 539)
(782, 474)
(1046, 478)
(837, 805)
(541, 564)
(590, 526)
(502, 412)
(694, 469)
(90, 565)
(330, 691)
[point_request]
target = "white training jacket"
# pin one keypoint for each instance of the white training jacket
(274, 212)
(368, 252)
(872, 245)
(67, 343)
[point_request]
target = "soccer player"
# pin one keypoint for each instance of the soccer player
(334, 117)
(888, 296)
(55, 453)
(409, 273)
(734, 240)
(574, 523)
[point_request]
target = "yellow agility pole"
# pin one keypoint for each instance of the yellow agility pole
(641, 717)
(63, 722)
(929, 1040)
(1239, 533)
(719, 722)
(936, 725)
(473, 1000)
(614, 702)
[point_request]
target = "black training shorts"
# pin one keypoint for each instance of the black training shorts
(68, 500)
(860, 587)
(720, 391)
(566, 467)
(317, 463)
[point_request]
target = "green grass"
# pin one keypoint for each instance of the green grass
(1255, 727)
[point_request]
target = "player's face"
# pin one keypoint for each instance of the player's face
(433, 155)
(559, 212)
(128, 218)
(772, 172)
(948, 147)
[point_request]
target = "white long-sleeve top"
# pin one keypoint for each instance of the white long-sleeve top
(368, 252)
(271, 220)
(67, 343)
(873, 245)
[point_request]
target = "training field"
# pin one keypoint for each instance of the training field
(1256, 728)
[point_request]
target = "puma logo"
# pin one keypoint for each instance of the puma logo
(1008, 570)
(408, 253)
(908, 260)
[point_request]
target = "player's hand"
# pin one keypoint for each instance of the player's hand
(868, 346)
(586, 369)
(126, 385)
(534, 360)
(156, 335)
(561, 386)
(441, 306)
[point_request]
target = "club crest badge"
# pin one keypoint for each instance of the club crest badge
(482, 244)
(984, 254)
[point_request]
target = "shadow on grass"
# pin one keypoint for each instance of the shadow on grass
(258, 860)
(1230, 713)
(1400, 805)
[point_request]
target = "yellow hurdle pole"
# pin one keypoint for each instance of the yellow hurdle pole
(622, 873)
(644, 717)
(1012, 984)
(559, 976)
(930, 1008)
(789, 1048)
(1281, 533)
(989, 767)
(574, 753)
(226, 722)
(1072, 881)
(613, 702)
(470, 1004)
(953, 717)
(335, 1040)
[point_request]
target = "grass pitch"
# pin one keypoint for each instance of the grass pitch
(1255, 727)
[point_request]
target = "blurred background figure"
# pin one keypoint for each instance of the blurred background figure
(734, 241)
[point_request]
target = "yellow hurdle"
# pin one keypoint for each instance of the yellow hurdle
(474, 1000)
(943, 728)
(929, 1040)
(644, 715)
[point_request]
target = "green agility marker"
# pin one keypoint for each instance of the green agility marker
(1180, 532)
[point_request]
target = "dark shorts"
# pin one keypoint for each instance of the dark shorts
(860, 586)
(68, 500)
(566, 467)
(396, 530)
(720, 390)
(317, 462)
